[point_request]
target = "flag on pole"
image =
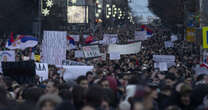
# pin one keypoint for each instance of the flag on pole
(71, 42)
(21, 42)
(143, 27)
(89, 39)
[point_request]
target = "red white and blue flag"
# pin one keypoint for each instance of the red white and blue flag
(90, 40)
(71, 42)
(21, 42)
(205, 61)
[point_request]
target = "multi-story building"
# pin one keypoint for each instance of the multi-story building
(70, 15)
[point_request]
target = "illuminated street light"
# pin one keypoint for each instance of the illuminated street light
(109, 9)
(119, 9)
(115, 9)
(107, 16)
(99, 11)
(109, 13)
(114, 6)
(97, 14)
(107, 5)
(99, 6)
(97, 1)
(114, 15)
(119, 17)
(74, 1)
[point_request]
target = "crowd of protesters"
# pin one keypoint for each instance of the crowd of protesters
(131, 83)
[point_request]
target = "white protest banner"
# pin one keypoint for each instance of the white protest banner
(75, 37)
(6, 56)
(79, 54)
(115, 56)
(69, 62)
(132, 48)
(73, 72)
(163, 66)
(140, 35)
(174, 38)
(54, 46)
(169, 64)
(164, 58)
(168, 44)
(42, 70)
(109, 39)
(110, 36)
(91, 51)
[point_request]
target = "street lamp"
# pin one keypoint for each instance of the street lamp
(97, 14)
(99, 6)
(99, 11)
(74, 1)
(107, 5)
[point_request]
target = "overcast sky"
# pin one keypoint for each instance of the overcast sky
(140, 7)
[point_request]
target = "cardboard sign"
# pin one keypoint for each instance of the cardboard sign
(174, 38)
(91, 51)
(164, 58)
(163, 66)
(109, 39)
(132, 48)
(110, 35)
(79, 54)
(140, 35)
(115, 56)
(69, 62)
(168, 44)
(73, 72)
(42, 70)
(7, 56)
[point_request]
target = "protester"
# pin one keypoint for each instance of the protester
(132, 82)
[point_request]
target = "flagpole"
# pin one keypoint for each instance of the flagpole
(39, 18)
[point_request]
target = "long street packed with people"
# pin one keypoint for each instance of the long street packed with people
(157, 71)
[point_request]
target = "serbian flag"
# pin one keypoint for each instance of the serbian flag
(11, 40)
(143, 27)
(204, 65)
(205, 62)
(71, 42)
(149, 31)
(21, 42)
(89, 39)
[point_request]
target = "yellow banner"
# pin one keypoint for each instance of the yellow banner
(37, 58)
(205, 35)
(190, 34)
